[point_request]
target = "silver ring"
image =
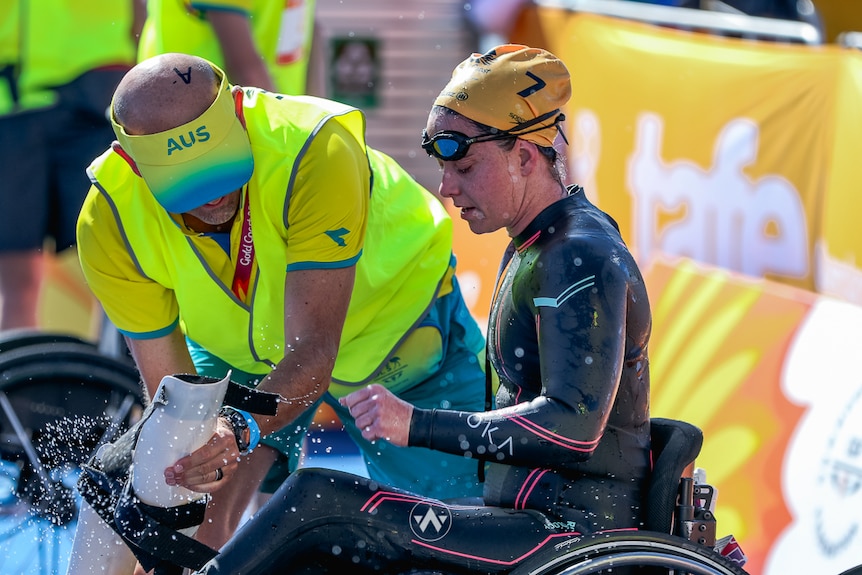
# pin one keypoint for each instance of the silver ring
(219, 474)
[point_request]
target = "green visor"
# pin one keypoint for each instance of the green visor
(197, 162)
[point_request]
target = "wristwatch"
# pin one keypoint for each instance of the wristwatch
(245, 428)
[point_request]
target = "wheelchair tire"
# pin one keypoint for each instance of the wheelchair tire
(609, 553)
(67, 398)
(48, 381)
(17, 338)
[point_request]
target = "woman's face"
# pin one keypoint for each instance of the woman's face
(486, 184)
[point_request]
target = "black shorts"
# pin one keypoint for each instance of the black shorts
(45, 154)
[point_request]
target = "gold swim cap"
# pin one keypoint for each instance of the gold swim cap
(508, 86)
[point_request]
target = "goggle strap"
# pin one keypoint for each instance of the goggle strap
(520, 130)
(538, 120)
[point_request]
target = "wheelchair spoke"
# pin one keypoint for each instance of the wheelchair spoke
(26, 444)
(60, 399)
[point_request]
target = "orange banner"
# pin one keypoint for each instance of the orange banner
(716, 355)
(736, 153)
(769, 373)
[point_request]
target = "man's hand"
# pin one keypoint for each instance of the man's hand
(210, 467)
(379, 414)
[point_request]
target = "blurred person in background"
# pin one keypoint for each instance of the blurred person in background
(794, 10)
(60, 61)
(261, 43)
(495, 19)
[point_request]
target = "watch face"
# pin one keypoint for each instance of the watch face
(240, 429)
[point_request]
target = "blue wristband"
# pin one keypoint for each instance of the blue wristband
(253, 429)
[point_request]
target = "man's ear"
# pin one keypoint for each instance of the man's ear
(238, 96)
(118, 149)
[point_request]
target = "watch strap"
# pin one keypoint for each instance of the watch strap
(245, 429)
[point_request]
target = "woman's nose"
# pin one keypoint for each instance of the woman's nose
(447, 185)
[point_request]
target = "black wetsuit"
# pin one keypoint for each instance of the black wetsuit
(568, 441)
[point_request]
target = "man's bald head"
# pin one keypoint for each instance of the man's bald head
(164, 92)
(177, 122)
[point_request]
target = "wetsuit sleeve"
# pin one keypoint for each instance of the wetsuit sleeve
(579, 312)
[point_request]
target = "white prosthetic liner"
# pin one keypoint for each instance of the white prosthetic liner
(183, 419)
(184, 422)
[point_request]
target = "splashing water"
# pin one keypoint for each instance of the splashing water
(38, 500)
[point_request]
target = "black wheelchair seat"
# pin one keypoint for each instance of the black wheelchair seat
(675, 445)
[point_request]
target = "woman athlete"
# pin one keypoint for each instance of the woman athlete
(566, 448)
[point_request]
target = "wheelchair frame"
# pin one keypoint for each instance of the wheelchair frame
(679, 533)
(46, 380)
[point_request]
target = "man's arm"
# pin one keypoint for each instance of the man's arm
(161, 356)
(243, 63)
(315, 309)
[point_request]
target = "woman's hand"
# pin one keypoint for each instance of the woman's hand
(380, 414)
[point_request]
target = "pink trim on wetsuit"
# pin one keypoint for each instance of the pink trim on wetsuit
(529, 242)
(382, 496)
(514, 561)
(527, 488)
(541, 545)
(573, 444)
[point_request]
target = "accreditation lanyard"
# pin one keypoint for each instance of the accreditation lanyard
(245, 256)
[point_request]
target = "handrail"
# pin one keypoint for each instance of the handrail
(702, 20)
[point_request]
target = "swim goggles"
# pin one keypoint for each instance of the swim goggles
(450, 146)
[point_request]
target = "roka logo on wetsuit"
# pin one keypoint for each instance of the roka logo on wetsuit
(474, 422)
(430, 522)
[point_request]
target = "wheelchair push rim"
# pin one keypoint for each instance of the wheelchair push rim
(601, 553)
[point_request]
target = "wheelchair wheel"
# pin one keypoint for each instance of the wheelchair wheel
(60, 399)
(16, 338)
(632, 553)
